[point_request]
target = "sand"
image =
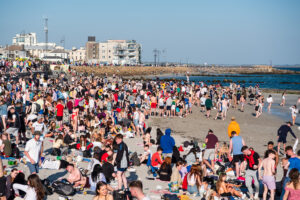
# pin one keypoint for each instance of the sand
(256, 133)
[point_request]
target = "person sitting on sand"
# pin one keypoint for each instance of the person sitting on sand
(165, 170)
(226, 189)
(75, 177)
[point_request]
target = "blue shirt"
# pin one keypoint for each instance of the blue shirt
(237, 144)
(294, 163)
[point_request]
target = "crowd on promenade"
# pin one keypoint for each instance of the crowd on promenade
(89, 116)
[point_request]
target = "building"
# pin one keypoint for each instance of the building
(77, 55)
(120, 52)
(56, 55)
(29, 41)
(14, 51)
(92, 50)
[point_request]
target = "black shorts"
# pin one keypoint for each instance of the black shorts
(202, 106)
(238, 158)
(161, 107)
(59, 118)
(168, 107)
(256, 108)
(208, 108)
(282, 139)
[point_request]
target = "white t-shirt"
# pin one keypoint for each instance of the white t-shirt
(33, 148)
(146, 198)
(30, 191)
(269, 99)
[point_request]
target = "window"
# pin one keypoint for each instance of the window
(109, 51)
(103, 51)
(103, 56)
(108, 56)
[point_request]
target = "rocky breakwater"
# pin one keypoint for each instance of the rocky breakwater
(134, 70)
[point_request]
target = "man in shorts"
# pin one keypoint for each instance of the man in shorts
(33, 152)
(268, 177)
(282, 134)
(212, 143)
(59, 112)
(122, 160)
(235, 145)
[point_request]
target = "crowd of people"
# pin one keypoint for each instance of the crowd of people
(89, 117)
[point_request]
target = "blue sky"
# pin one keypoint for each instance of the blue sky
(197, 31)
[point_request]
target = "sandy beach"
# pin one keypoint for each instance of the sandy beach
(256, 133)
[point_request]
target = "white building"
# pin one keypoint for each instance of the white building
(120, 52)
(56, 55)
(77, 55)
(29, 40)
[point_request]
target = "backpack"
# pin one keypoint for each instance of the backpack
(15, 151)
(63, 188)
(47, 188)
(135, 159)
(121, 195)
(170, 197)
(37, 107)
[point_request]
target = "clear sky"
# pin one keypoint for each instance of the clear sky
(197, 31)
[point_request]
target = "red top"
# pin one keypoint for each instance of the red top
(156, 159)
(60, 110)
(104, 157)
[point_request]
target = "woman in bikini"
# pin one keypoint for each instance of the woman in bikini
(75, 118)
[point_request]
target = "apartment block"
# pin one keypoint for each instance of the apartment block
(119, 52)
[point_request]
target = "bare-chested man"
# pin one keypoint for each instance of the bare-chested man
(153, 105)
(268, 177)
(75, 176)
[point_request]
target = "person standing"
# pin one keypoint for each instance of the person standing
(167, 143)
(59, 112)
(268, 177)
(270, 101)
(293, 162)
(122, 161)
(233, 126)
(294, 112)
(212, 144)
(251, 163)
(282, 134)
(33, 152)
(208, 105)
(235, 145)
(293, 187)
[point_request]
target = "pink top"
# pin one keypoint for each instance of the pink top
(77, 102)
(294, 194)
